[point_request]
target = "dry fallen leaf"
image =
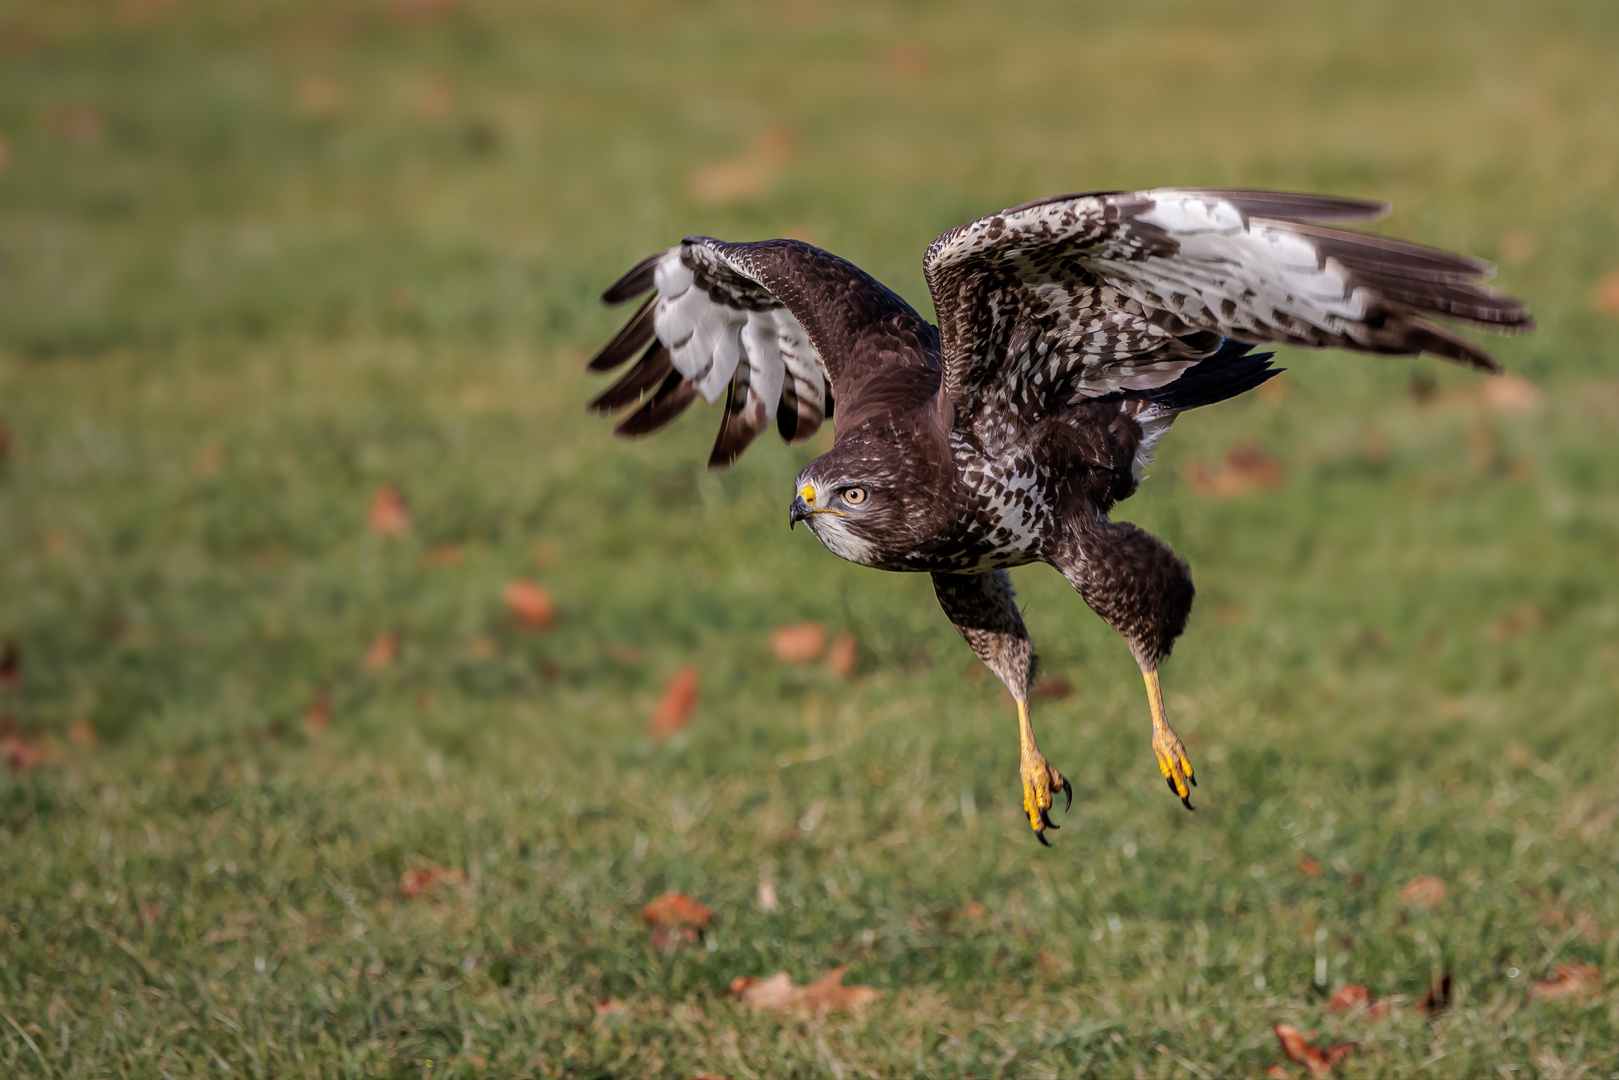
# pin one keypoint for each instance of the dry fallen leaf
(444, 555)
(531, 605)
(319, 714)
(1437, 999)
(1524, 617)
(1605, 296)
(676, 918)
(843, 656)
(1245, 469)
(1510, 393)
(1426, 891)
(381, 653)
(1278, 1072)
(427, 877)
(1310, 867)
(1348, 998)
(76, 122)
(10, 666)
(21, 755)
(1053, 688)
(798, 643)
(825, 995)
(608, 1007)
(81, 732)
(388, 515)
(1569, 980)
(674, 709)
(1298, 1048)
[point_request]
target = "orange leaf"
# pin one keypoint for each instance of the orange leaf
(388, 515)
(1310, 867)
(1278, 1072)
(1605, 297)
(1245, 469)
(319, 714)
(676, 918)
(444, 555)
(1348, 997)
(531, 605)
(81, 732)
(21, 756)
(825, 995)
(1053, 688)
(609, 1007)
(1510, 393)
(798, 643)
(843, 656)
(381, 653)
(1426, 891)
(1298, 1048)
(1569, 980)
(679, 699)
(426, 878)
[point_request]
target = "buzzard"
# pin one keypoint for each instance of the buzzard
(1072, 332)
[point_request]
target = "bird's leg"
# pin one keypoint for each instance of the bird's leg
(1172, 759)
(1039, 778)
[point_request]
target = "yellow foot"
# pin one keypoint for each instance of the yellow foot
(1173, 763)
(1039, 781)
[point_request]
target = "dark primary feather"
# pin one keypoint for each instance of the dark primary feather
(634, 283)
(670, 400)
(628, 341)
(653, 367)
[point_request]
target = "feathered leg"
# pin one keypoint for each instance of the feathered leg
(983, 609)
(1141, 589)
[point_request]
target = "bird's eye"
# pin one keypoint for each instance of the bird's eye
(854, 496)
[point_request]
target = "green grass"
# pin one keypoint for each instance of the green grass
(257, 261)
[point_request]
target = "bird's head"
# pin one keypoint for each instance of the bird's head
(850, 504)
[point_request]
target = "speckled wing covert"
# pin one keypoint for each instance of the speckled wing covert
(774, 325)
(1079, 296)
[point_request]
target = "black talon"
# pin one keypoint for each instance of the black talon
(1045, 817)
(1192, 778)
(1040, 835)
(1171, 782)
(1068, 792)
(1187, 800)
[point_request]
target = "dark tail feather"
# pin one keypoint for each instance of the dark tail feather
(1231, 370)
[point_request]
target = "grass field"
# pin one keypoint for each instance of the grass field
(259, 261)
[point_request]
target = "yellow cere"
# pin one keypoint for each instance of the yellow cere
(807, 493)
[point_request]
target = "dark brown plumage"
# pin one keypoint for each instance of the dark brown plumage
(1072, 331)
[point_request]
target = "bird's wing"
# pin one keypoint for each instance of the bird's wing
(778, 326)
(1083, 295)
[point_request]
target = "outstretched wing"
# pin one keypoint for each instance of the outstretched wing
(1083, 295)
(778, 326)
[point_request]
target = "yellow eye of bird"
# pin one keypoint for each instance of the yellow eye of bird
(855, 496)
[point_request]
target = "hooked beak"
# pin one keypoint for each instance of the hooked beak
(799, 511)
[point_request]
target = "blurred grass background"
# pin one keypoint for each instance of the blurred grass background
(258, 260)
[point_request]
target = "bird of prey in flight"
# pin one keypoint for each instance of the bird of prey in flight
(1072, 332)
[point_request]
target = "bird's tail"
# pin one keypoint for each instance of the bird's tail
(1230, 370)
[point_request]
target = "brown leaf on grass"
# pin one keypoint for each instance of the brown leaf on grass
(1245, 469)
(388, 515)
(743, 179)
(1347, 998)
(8, 442)
(1310, 867)
(81, 733)
(319, 714)
(1299, 1049)
(675, 707)
(1052, 688)
(426, 878)
(381, 652)
(676, 919)
(1426, 891)
(1524, 617)
(21, 755)
(5, 160)
(148, 915)
(75, 122)
(10, 666)
(1510, 393)
(319, 96)
(905, 61)
(825, 995)
(1605, 296)
(608, 1007)
(1437, 999)
(1278, 1072)
(444, 555)
(434, 98)
(843, 656)
(798, 643)
(531, 605)
(1569, 980)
